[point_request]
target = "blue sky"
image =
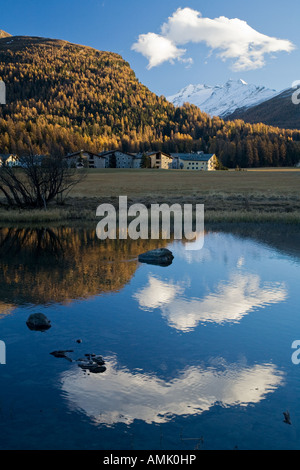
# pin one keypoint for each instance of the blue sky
(116, 25)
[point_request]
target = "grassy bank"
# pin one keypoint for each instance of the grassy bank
(251, 196)
(66, 216)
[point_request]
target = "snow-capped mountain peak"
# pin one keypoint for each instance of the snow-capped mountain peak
(223, 100)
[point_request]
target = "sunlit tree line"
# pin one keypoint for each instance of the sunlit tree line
(63, 97)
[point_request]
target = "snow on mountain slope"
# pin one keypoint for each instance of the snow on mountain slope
(222, 100)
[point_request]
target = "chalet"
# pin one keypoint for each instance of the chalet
(160, 160)
(23, 161)
(9, 160)
(195, 161)
(29, 160)
(137, 161)
(85, 159)
(116, 159)
(119, 159)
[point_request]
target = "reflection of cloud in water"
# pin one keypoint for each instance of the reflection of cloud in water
(232, 300)
(120, 396)
(157, 293)
(240, 262)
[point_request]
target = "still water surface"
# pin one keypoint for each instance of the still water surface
(198, 354)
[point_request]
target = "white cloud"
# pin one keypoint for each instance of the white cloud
(157, 49)
(232, 39)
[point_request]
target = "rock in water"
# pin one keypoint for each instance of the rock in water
(287, 417)
(160, 256)
(38, 322)
(94, 358)
(91, 362)
(92, 367)
(62, 354)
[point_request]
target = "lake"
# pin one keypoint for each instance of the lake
(198, 354)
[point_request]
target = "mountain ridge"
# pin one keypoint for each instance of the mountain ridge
(222, 100)
(279, 111)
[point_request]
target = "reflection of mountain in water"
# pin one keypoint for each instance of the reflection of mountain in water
(6, 309)
(121, 396)
(41, 265)
(284, 238)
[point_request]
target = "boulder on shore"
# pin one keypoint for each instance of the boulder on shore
(38, 322)
(160, 256)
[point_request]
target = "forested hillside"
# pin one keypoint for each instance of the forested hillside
(63, 97)
(279, 111)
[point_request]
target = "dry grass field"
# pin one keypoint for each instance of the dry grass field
(177, 183)
(263, 195)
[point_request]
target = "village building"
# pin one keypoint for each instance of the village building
(195, 161)
(137, 161)
(118, 159)
(85, 159)
(9, 160)
(156, 159)
(160, 160)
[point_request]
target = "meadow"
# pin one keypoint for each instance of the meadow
(174, 183)
(270, 195)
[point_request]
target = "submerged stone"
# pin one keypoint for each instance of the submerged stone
(287, 417)
(62, 354)
(90, 362)
(93, 363)
(92, 367)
